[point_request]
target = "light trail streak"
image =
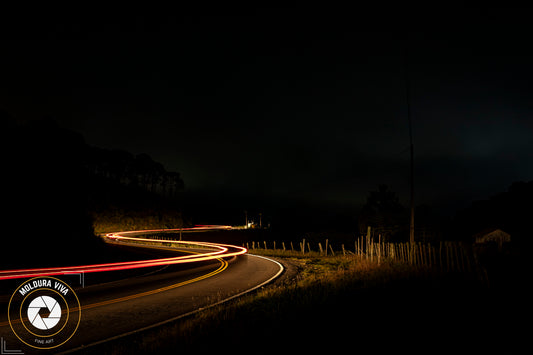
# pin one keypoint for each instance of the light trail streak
(222, 267)
(217, 251)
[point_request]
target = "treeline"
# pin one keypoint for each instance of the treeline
(128, 192)
(390, 219)
(510, 211)
(57, 189)
(132, 170)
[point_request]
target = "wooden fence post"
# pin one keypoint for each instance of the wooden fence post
(467, 256)
(440, 256)
(456, 257)
(462, 250)
(447, 247)
(424, 256)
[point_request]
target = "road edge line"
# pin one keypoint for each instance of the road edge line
(280, 271)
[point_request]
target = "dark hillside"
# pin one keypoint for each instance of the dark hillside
(57, 190)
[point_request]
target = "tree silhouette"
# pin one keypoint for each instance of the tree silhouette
(54, 184)
(383, 213)
(139, 171)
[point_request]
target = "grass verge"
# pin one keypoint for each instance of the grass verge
(337, 303)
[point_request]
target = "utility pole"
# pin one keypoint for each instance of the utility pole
(412, 178)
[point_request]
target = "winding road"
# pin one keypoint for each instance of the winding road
(159, 290)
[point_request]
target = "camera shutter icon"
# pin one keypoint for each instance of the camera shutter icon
(53, 307)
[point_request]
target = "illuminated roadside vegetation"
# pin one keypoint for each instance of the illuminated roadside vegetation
(331, 303)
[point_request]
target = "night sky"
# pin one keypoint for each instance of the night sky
(279, 105)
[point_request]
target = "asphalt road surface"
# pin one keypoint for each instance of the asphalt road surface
(111, 308)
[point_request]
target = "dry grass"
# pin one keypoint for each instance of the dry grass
(321, 301)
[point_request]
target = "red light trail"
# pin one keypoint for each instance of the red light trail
(216, 251)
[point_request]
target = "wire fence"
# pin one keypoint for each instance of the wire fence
(446, 255)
